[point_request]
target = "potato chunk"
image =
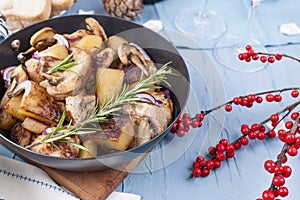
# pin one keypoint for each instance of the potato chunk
(109, 84)
(34, 125)
(37, 103)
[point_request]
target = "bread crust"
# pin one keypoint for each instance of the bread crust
(58, 6)
(17, 18)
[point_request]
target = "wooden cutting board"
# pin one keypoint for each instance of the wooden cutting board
(92, 185)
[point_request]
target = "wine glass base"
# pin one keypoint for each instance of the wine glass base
(206, 26)
(227, 49)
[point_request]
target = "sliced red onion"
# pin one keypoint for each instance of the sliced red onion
(167, 93)
(38, 55)
(147, 57)
(62, 40)
(25, 85)
(6, 74)
(49, 130)
(144, 96)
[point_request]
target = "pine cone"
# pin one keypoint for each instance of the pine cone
(127, 9)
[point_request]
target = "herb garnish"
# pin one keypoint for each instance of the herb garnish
(64, 65)
(99, 114)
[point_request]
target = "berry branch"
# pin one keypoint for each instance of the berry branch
(250, 54)
(225, 149)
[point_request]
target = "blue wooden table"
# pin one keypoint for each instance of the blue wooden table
(164, 173)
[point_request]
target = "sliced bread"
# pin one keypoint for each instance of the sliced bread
(22, 13)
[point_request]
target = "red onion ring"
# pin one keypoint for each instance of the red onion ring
(144, 96)
(6, 75)
(62, 40)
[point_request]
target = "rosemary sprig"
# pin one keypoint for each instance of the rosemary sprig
(113, 106)
(64, 65)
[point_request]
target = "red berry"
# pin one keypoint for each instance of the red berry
(270, 98)
(290, 138)
(284, 159)
(210, 164)
(205, 172)
(241, 56)
(228, 107)
(229, 155)
(250, 52)
(271, 134)
(278, 57)
(220, 148)
(180, 133)
(292, 151)
(179, 119)
(237, 145)
(283, 191)
(194, 123)
(278, 180)
(244, 102)
(274, 118)
(247, 59)
(245, 129)
(263, 59)
(271, 59)
(196, 165)
(255, 127)
(186, 116)
(248, 47)
(237, 100)
(268, 195)
(174, 128)
(200, 159)
(261, 135)
(230, 148)
(223, 142)
(286, 171)
(244, 141)
(217, 164)
(212, 151)
(278, 169)
(297, 141)
(196, 172)
(252, 135)
(295, 93)
(199, 117)
(289, 124)
(220, 157)
(259, 99)
(255, 56)
(269, 165)
(294, 115)
(278, 97)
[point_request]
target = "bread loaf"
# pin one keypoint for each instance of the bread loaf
(22, 13)
(58, 6)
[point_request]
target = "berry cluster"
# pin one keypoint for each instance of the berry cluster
(202, 166)
(250, 54)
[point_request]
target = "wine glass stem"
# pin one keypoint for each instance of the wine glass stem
(250, 19)
(201, 13)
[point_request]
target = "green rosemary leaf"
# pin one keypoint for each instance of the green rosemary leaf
(58, 127)
(63, 65)
(79, 146)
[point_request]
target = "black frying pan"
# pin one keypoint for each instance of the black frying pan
(159, 49)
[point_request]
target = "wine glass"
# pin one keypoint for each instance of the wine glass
(228, 47)
(200, 23)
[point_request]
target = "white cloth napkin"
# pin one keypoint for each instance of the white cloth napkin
(19, 181)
